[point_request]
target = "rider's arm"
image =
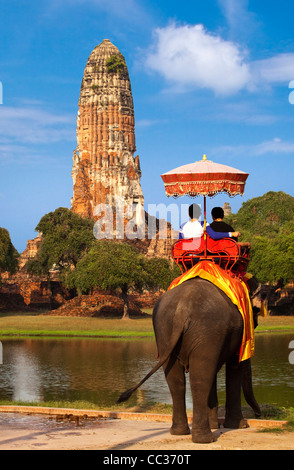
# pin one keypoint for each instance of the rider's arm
(214, 235)
(181, 235)
(217, 235)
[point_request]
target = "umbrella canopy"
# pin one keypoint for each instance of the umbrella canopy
(204, 178)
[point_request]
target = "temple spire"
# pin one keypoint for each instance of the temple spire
(104, 164)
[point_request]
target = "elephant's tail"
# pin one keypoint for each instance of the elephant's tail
(126, 395)
(248, 389)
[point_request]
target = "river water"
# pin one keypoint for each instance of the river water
(98, 370)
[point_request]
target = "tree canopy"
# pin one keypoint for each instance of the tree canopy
(86, 263)
(8, 254)
(267, 222)
(112, 265)
(108, 265)
(66, 237)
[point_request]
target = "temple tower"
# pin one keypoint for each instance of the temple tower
(104, 165)
(227, 209)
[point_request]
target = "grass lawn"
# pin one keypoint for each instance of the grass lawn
(275, 324)
(19, 324)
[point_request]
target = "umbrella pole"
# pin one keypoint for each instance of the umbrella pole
(205, 235)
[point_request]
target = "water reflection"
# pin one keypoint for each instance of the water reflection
(97, 371)
(273, 373)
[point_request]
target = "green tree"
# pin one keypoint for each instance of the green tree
(113, 265)
(161, 272)
(66, 238)
(267, 222)
(8, 254)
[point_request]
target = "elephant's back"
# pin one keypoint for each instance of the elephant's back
(193, 292)
(198, 301)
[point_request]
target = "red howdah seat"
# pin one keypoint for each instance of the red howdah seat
(226, 252)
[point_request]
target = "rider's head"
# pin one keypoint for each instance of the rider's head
(194, 211)
(217, 213)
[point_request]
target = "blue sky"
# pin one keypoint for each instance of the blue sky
(207, 77)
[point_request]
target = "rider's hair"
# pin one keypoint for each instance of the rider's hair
(194, 211)
(217, 213)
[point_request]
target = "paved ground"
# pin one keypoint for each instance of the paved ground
(39, 432)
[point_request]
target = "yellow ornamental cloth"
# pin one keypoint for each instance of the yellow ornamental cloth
(237, 292)
(263, 310)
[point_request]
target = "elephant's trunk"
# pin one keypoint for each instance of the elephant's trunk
(248, 389)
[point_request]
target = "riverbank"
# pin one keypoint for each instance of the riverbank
(28, 429)
(45, 324)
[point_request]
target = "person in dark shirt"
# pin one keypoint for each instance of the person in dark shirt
(218, 225)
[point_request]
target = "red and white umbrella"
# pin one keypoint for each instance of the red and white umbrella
(204, 178)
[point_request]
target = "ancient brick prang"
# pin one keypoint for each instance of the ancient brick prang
(104, 165)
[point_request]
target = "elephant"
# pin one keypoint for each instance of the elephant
(198, 329)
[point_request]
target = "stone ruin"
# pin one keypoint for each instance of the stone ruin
(105, 168)
(104, 162)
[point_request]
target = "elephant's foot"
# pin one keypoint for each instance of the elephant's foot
(202, 437)
(179, 430)
(236, 423)
(213, 418)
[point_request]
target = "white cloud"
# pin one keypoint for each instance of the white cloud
(232, 11)
(16, 153)
(274, 146)
(190, 56)
(242, 23)
(34, 125)
(24, 128)
(247, 111)
(277, 69)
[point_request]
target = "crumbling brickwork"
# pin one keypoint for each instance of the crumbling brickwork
(104, 165)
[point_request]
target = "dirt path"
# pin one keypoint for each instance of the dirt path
(20, 431)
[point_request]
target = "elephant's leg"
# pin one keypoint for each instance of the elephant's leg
(213, 406)
(176, 380)
(202, 376)
(234, 417)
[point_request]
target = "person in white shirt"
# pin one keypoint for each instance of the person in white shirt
(194, 228)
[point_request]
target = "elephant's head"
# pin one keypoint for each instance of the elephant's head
(257, 299)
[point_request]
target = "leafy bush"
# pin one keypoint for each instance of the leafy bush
(115, 63)
(267, 222)
(8, 254)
